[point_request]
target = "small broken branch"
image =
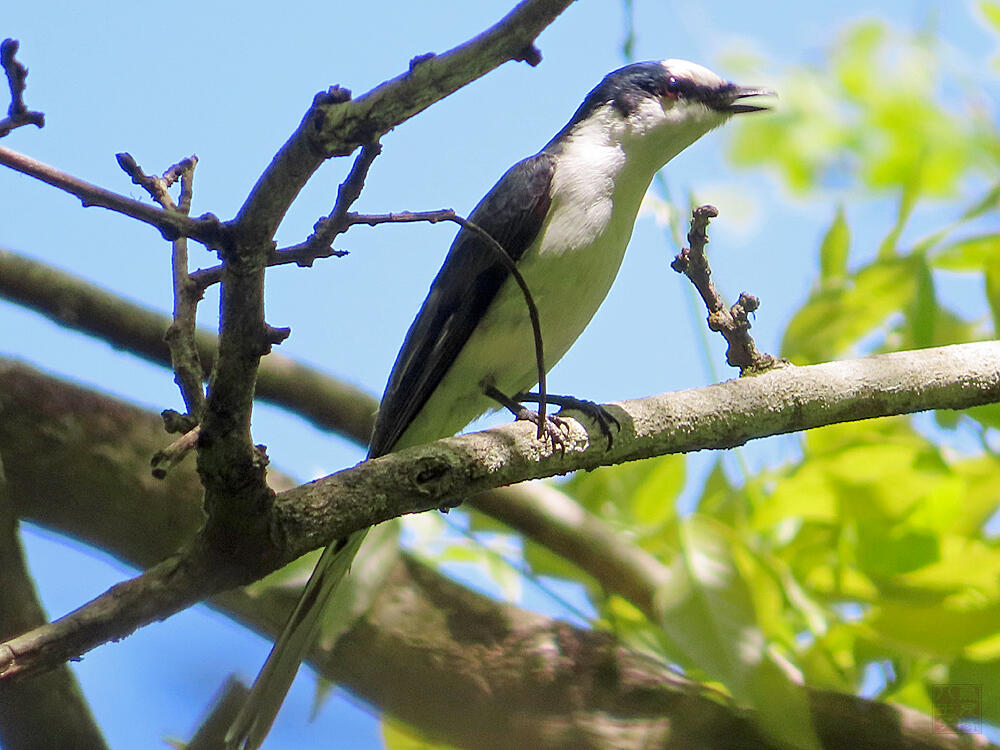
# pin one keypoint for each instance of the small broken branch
(733, 322)
(166, 459)
(18, 113)
(206, 229)
(180, 335)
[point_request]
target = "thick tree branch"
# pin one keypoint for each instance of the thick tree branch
(725, 415)
(432, 77)
(443, 473)
(521, 679)
(336, 126)
(230, 465)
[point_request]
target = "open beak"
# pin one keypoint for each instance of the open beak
(739, 92)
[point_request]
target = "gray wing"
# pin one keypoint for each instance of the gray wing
(512, 213)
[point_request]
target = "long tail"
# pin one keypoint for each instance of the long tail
(252, 724)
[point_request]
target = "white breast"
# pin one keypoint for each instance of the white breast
(569, 269)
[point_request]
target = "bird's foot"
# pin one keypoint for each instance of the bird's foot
(592, 409)
(555, 427)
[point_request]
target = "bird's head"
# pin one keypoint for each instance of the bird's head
(657, 109)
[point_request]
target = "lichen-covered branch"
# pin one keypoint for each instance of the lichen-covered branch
(447, 471)
(520, 679)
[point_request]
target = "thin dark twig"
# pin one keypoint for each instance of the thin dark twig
(326, 230)
(733, 322)
(180, 335)
(447, 214)
(18, 113)
(206, 229)
(167, 458)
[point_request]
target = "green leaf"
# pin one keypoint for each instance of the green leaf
(934, 631)
(969, 254)
(399, 736)
(834, 248)
(708, 612)
(983, 674)
(991, 12)
(637, 494)
(911, 191)
(987, 415)
(992, 278)
(989, 202)
(923, 313)
(834, 320)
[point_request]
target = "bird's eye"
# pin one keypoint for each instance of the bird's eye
(673, 86)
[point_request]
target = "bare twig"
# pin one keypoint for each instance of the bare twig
(180, 335)
(327, 229)
(166, 459)
(504, 257)
(733, 323)
(18, 113)
(206, 229)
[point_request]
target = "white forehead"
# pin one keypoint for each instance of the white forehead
(693, 72)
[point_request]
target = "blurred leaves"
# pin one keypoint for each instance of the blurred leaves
(872, 114)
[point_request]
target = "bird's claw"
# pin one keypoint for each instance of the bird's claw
(555, 427)
(599, 414)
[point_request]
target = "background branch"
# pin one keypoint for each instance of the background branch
(49, 711)
(81, 306)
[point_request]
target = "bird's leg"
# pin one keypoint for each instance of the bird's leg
(554, 426)
(595, 411)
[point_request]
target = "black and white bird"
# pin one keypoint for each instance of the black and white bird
(565, 216)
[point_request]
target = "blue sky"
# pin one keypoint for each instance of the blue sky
(228, 82)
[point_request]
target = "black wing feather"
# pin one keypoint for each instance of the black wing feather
(512, 213)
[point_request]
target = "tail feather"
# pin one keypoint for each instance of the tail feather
(254, 721)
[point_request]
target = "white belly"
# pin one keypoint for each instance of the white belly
(568, 284)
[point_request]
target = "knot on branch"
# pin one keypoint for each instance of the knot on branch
(18, 113)
(530, 54)
(336, 94)
(421, 59)
(274, 336)
(174, 422)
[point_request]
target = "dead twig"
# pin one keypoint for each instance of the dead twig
(732, 322)
(18, 113)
